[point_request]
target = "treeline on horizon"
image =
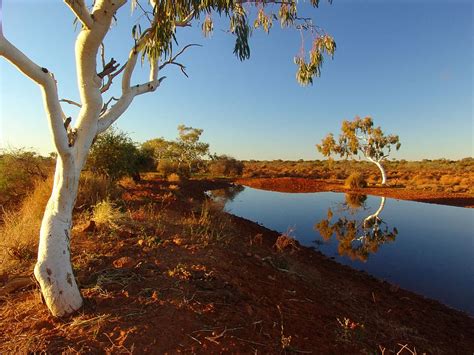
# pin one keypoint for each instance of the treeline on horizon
(115, 156)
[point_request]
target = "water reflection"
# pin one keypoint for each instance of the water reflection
(357, 238)
(223, 196)
(433, 259)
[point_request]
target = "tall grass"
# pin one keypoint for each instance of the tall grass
(19, 228)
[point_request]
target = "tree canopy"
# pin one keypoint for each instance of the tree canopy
(359, 136)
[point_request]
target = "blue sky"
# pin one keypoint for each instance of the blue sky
(408, 64)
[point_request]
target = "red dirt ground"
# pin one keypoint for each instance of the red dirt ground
(314, 185)
(150, 289)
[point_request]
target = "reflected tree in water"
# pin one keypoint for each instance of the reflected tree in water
(357, 238)
(222, 196)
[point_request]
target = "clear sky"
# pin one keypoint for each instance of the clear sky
(408, 64)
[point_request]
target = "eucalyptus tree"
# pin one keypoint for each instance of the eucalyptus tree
(153, 40)
(360, 136)
(190, 149)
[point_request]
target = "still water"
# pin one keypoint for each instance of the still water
(425, 248)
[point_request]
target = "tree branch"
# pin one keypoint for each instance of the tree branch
(78, 7)
(172, 60)
(70, 102)
(50, 93)
(110, 79)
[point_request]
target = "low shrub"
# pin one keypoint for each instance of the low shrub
(166, 167)
(173, 177)
(226, 166)
(355, 181)
(19, 171)
(94, 188)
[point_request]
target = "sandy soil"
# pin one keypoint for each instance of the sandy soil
(153, 287)
(313, 185)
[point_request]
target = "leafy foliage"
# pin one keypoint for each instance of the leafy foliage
(360, 136)
(224, 165)
(159, 37)
(184, 155)
(115, 155)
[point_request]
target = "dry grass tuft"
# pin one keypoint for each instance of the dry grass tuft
(285, 242)
(19, 233)
(209, 226)
(107, 215)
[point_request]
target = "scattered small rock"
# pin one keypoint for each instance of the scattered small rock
(178, 241)
(124, 262)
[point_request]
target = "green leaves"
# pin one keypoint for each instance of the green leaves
(156, 41)
(240, 28)
(308, 70)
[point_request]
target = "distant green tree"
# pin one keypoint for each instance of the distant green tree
(184, 155)
(159, 148)
(190, 150)
(360, 136)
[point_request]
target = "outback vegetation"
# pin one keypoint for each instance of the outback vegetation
(153, 251)
(361, 137)
(136, 250)
(441, 175)
(152, 39)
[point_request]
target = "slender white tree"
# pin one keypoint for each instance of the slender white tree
(152, 39)
(360, 136)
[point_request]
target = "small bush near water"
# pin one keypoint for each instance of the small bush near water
(355, 181)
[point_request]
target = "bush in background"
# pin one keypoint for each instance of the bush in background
(355, 181)
(115, 155)
(167, 167)
(19, 172)
(224, 165)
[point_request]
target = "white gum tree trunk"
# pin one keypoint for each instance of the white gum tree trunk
(53, 269)
(382, 171)
(381, 168)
